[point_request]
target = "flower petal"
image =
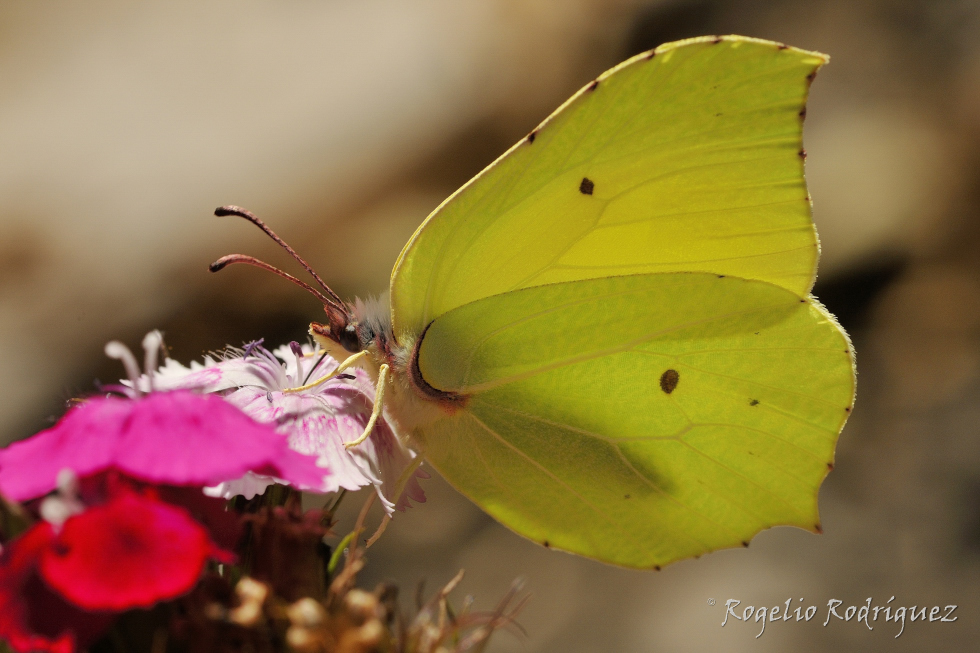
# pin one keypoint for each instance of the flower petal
(32, 617)
(130, 552)
(175, 438)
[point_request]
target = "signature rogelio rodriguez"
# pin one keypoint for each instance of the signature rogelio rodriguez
(869, 614)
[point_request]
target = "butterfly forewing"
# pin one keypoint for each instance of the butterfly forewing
(689, 160)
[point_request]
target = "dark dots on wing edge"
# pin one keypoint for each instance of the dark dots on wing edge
(593, 86)
(546, 544)
(745, 544)
(669, 380)
(782, 46)
(587, 186)
(532, 136)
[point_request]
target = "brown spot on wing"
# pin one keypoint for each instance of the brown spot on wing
(593, 86)
(669, 380)
(587, 186)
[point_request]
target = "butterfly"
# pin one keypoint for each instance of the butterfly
(606, 339)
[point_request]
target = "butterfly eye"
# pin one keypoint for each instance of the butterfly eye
(348, 339)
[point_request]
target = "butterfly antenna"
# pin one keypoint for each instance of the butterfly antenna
(251, 260)
(248, 215)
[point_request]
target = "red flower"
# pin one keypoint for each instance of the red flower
(32, 617)
(59, 590)
(129, 553)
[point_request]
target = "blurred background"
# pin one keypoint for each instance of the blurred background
(343, 124)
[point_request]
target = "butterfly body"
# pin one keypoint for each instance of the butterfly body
(410, 402)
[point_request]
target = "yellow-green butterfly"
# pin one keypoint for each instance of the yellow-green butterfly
(606, 339)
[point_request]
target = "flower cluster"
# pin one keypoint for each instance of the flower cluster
(123, 504)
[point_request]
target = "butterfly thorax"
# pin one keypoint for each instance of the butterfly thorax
(410, 401)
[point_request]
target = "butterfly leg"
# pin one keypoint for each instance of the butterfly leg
(379, 395)
(340, 368)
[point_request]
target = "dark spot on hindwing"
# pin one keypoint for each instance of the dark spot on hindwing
(656, 567)
(546, 544)
(593, 86)
(669, 380)
(587, 186)
(531, 136)
(745, 544)
(754, 402)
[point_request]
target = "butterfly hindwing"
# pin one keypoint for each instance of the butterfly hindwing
(640, 419)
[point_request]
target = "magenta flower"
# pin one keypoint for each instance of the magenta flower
(317, 421)
(171, 438)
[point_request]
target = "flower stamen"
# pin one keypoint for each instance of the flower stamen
(120, 352)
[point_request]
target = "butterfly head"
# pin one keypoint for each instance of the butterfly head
(340, 329)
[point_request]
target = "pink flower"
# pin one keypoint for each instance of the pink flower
(172, 438)
(317, 421)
